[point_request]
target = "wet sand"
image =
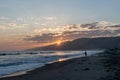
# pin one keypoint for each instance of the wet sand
(95, 67)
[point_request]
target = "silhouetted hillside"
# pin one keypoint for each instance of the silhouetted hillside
(85, 43)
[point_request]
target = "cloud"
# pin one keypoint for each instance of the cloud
(2, 27)
(67, 35)
(97, 25)
(43, 24)
(12, 23)
(11, 26)
(70, 32)
(16, 25)
(115, 26)
(3, 18)
(43, 38)
(50, 18)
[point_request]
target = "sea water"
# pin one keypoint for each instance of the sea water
(12, 62)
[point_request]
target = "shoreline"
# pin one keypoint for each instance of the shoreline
(84, 68)
(15, 74)
(22, 72)
(18, 73)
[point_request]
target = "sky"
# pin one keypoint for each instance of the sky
(31, 23)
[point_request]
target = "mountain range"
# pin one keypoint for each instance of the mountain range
(85, 44)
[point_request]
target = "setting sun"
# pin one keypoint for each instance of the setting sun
(58, 42)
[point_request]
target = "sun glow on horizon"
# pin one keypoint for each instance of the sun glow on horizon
(58, 42)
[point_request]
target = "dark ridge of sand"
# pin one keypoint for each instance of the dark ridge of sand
(104, 66)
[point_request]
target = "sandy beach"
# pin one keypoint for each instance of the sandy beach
(102, 66)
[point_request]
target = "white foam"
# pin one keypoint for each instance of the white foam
(32, 61)
(12, 69)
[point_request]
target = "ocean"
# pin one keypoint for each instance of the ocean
(12, 62)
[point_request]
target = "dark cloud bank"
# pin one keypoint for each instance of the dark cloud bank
(93, 30)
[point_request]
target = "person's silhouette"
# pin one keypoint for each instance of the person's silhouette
(85, 53)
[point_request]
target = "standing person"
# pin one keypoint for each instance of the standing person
(85, 53)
